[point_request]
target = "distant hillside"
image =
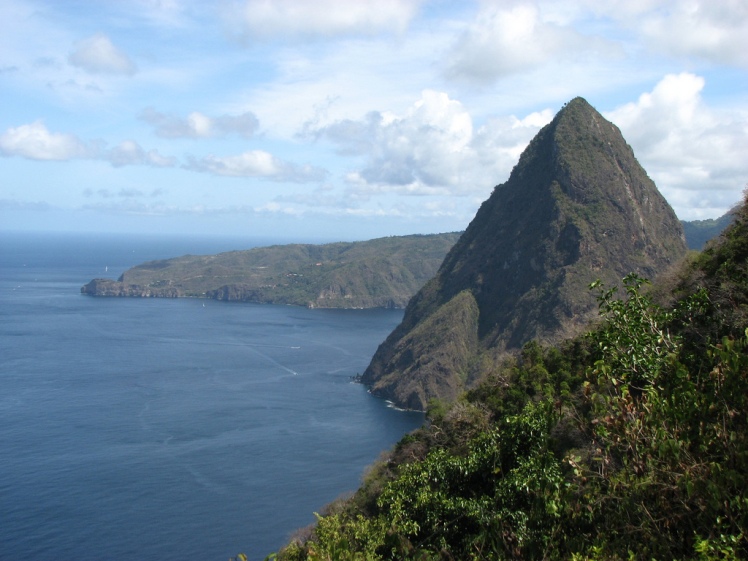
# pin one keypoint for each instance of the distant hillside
(577, 207)
(380, 273)
(698, 232)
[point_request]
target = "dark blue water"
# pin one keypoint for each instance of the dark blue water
(171, 429)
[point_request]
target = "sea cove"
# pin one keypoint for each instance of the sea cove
(171, 429)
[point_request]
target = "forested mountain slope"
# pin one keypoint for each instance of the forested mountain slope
(628, 442)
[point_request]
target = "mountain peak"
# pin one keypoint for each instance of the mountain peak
(576, 207)
(576, 104)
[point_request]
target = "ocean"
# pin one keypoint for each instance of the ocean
(186, 429)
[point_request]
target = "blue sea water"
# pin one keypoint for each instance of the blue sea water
(151, 429)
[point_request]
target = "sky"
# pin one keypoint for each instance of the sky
(348, 119)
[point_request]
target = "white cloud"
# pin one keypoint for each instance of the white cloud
(35, 142)
(506, 40)
(695, 155)
(257, 164)
(433, 149)
(416, 153)
(327, 85)
(709, 30)
(514, 37)
(98, 55)
(129, 153)
(714, 31)
(272, 19)
(198, 125)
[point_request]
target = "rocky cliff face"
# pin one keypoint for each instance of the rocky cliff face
(577, 207)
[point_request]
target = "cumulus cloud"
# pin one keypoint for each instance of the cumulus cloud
(129, 153)
(418, 152)
(36, 142)
(270, 19)
(198, 125)
(257, 164)
(506, 39)
(98, 55)
(703, 29)
(715, 31)
(695, 155)
(433, 149)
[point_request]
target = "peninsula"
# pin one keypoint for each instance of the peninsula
(380, 273)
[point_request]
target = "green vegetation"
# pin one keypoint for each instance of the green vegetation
(381, 273)
(628, 442)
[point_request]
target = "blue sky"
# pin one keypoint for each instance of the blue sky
(331, 119)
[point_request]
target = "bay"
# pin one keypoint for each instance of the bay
(171, 429)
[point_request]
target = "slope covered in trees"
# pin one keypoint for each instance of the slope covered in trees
(628, 442)
(380, 273)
